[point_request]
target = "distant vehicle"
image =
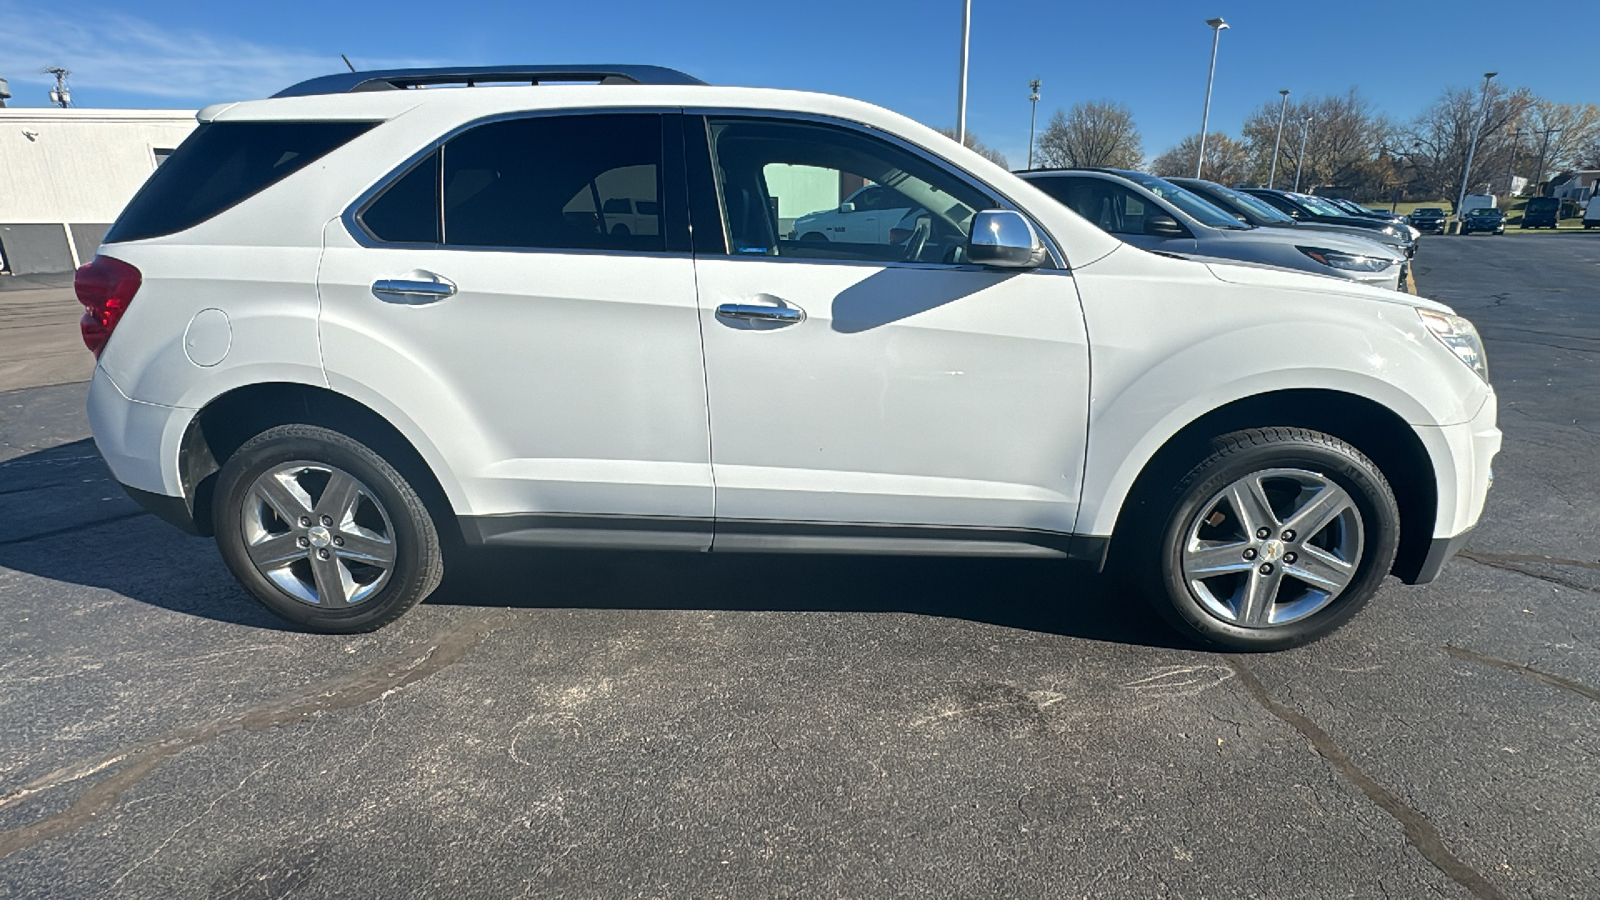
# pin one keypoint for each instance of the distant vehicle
(1427, 219)
(1258, 212)
(1475, 201)
(1541, 212)
(1484, 218)
(1356, 209)
(1155, 214)
(867, 216)
(1591, 214)
(1307, 208)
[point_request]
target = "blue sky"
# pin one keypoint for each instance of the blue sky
(903, 55)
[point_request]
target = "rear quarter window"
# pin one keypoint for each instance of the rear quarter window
(219, 166)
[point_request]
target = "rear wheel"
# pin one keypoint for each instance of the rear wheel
(1277, 538)
(323, 531)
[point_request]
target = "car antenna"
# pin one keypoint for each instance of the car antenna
(347, 61)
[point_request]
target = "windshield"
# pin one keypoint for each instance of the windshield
(1319, 206)
(1257, 207)
(1543, 203)
(1429, 211)
(1193, 204)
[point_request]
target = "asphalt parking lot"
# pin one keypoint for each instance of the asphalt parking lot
(595, 725)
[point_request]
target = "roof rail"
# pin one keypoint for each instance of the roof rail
(395, 79)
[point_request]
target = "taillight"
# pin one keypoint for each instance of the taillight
(105, 287)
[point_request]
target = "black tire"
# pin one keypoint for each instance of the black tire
(1246, 454)
(385, 505)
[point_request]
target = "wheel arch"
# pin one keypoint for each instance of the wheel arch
(1374, 429)
(235, 416)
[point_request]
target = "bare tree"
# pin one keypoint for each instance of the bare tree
(1441, 137)
(1092, 134)
(972, 143)
(1227, 160)
(1344, 140)
(1563, 132)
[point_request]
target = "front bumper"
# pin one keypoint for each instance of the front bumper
(1463, 460)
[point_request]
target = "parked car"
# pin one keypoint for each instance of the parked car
(1541, 212)
(1487, 219)
(1356, 209)
(1591, 214)
(1156, 214)
(1255, 211)
(1427, 219)
(868, 215)
(1309, 208)
(347, 327)
(1476, 201)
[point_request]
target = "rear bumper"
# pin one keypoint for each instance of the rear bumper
(141, 444)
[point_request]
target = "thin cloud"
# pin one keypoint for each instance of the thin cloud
(114, 52)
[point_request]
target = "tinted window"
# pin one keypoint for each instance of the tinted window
(407, 212)
(1112, 207)
(782, 184)
(556, 183)
(222, 164)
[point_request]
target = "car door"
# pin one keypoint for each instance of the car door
(875, 394)
(552, 354)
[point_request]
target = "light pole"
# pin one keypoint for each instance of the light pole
(1544, 145)
(1516, 142)
(1282, 111)
(1305, 129)
(961, 95)
(1472, 148)
(1033, 117)
(1205, 120)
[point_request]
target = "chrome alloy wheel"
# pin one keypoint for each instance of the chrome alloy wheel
(318, 533)
(1273, 547)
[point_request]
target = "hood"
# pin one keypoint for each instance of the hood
(1348, 231)
(1326, 240)
(1288, 279)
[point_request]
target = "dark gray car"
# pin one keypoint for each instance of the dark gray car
(1255, 211)
(1156, 214)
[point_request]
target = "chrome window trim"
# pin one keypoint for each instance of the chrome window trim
(351, 217)
(1057, 257)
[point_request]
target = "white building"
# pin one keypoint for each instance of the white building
(65, 174)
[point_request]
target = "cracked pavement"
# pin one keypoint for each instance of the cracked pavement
(586, 724)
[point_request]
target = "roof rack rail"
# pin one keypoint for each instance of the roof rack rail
(398, 79)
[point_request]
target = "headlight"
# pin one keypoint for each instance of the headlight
(1461, 337)
(1350, 262)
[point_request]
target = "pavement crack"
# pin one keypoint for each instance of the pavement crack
(1419, 832)
(85, 526)
(141, 759)
(1509, 562)
(1555, 681)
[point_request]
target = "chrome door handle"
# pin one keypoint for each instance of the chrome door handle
(782, 314)
(402, 290)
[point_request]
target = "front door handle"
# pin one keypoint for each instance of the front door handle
(412, 291)
(783, 315)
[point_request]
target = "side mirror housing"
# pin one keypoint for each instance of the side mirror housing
(1163, 225)
(847, 207)
(1005, 239)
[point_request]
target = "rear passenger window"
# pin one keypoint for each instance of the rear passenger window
(222, 164)
(407, 212)
(590, 182)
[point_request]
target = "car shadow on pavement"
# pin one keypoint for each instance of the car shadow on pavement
(64, 518)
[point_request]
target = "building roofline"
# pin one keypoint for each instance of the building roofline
(76, 114)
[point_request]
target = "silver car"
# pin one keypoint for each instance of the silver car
(1156, 214)
(1253, 210)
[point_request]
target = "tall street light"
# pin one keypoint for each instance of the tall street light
(1282, 110)
(961, 96)
(1544, 145)
(1472, 148)
(1205, 120)
(1033, 118)
(1305, 129)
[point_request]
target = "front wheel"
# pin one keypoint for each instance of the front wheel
(1277, 538)
(323, 531)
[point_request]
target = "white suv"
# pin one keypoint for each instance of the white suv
(350, 326)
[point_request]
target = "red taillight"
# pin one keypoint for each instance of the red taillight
(105, 287)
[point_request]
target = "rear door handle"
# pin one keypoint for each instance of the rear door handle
(413, 292)
(784, 315)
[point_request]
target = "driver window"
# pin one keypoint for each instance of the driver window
(812, 191)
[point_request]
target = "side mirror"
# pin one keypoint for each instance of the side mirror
(847, 207)
(1163, 225)
(1004, 239)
